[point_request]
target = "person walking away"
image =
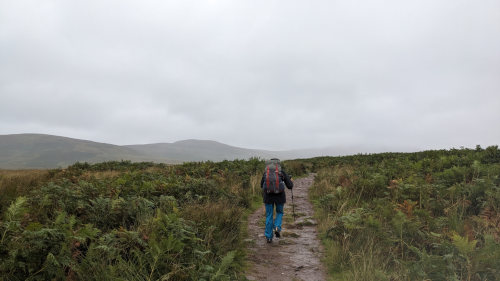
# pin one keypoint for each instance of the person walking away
(273, 185)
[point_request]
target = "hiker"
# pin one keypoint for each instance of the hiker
(273, 185)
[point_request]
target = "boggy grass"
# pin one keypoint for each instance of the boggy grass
(220, 223)
(13, 183)
(352, 251)
(354, 259)
(357, 254)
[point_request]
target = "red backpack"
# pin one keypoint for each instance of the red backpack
(274, 179)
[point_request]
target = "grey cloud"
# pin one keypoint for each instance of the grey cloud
(262, 74)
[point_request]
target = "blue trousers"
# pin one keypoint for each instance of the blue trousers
(271, 223)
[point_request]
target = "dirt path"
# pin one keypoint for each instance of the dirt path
(294, 256)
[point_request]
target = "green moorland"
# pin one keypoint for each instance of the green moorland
(127, 221)
(432, 215)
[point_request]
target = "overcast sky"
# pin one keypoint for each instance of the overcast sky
(405, 75)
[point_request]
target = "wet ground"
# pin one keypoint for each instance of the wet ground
(294, 256)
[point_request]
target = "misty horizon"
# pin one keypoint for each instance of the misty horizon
(332, 150)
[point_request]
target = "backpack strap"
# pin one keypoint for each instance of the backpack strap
(277, 186)
(267, 177)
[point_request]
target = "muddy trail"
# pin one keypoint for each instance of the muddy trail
(294, 256)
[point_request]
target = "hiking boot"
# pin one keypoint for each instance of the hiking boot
(269, 240)
(277, 233)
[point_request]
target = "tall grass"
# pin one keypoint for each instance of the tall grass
(13, 183)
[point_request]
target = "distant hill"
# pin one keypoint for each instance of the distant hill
(23, 151)
(34, 151)
(199, 150)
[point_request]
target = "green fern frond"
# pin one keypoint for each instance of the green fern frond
(224, 265)
(463, 244)
(16, 209)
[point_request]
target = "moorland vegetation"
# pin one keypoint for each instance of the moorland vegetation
(126, 221)
(432, 215)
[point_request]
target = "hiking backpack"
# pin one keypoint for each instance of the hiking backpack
(273, 178)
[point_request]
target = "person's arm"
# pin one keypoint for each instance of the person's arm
(262, 180)
(287, 180)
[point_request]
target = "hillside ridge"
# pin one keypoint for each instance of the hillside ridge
(33, 151)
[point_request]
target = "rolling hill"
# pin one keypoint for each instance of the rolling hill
(199, 150)
(33, 151)
(26, 151)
